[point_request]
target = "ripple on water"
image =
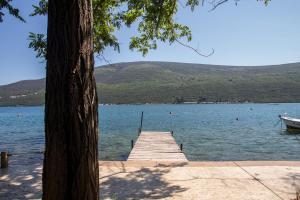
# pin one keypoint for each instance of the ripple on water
(207, 132)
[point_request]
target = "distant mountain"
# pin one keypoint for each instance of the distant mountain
(167, 82)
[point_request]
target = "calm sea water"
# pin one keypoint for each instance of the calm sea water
(207, 131)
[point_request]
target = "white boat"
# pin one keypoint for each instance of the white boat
(291, 123)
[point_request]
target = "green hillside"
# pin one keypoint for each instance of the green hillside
(165, 82)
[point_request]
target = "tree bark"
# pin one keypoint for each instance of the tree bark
(71, 109)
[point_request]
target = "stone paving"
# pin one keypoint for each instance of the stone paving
(171, 180)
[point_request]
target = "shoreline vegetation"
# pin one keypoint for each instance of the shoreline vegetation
(177, 83)
(183, 103)
(187, 103)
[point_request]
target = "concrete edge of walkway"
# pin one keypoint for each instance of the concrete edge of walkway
(197, 164)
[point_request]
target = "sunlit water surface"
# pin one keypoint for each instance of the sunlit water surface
(214, 132)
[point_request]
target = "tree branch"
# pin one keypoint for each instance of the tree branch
(195, 50)
(216, 4)
(102, 57)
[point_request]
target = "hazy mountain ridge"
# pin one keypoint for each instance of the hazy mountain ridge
(167, 82)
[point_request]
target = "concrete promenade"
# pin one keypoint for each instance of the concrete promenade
(172, 180)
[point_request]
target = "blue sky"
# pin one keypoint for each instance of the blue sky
(247, 34)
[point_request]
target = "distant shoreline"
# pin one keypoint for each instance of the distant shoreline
(184, 103)
(193, 103)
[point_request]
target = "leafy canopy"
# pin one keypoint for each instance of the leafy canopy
(6, 5)
(154, 20)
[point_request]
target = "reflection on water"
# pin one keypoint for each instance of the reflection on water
(208, 131)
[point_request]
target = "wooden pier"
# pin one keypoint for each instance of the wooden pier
(156, 146)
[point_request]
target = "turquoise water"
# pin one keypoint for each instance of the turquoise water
(207, 131)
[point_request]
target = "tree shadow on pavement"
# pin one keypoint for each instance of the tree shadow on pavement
(294, 180)
(144, 183)
(21, 182)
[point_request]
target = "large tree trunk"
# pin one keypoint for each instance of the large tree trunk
(71, 111)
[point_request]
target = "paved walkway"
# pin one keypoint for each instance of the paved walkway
(172, 180)
(200, 180)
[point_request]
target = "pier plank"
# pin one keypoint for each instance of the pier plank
(160, 146)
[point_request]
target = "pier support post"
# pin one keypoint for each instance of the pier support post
(142, 118)
(4, 159)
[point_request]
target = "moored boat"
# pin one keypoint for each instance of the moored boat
(291, 123)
